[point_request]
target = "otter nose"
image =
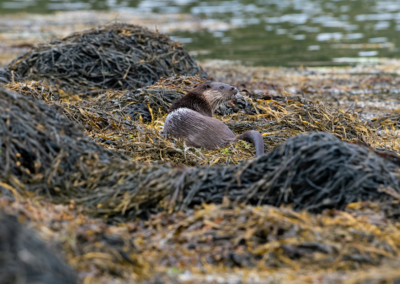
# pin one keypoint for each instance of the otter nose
(234, 89)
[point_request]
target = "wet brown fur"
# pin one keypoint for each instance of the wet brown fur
(194, 100)
(195, 123)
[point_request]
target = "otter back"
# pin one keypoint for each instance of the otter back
(198, 130)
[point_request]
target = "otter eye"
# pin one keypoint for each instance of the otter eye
(222, 87)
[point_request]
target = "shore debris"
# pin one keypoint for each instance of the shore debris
(115, 56)
(25, 258)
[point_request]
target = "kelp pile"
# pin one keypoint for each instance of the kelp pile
(214, 242)
(131, 122)
(25, 258)
(5, 77)
(38, 145)
(8, 77)
(310, 171)
(116, 56)
(46, 154)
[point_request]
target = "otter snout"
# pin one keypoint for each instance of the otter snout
(217, 93)
(233, 91)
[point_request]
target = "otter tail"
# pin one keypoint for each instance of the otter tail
(256, 138)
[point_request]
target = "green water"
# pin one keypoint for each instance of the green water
(267, 32)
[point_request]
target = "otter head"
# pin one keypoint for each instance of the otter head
(217, 93)
(205, 98)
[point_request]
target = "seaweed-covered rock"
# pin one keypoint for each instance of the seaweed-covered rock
(45, 152)
(312, 171)
(117, 56)
(24, 258)
(39, 147)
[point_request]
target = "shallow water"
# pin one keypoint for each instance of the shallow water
(266, 32)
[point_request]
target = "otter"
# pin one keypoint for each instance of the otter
(190, 118)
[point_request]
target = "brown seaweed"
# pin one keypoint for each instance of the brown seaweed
(205, 244)
(117, 56)
(46, 153)
(25, 258)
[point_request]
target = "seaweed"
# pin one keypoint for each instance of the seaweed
(7, 77)
(213, 242)
(117, 56)
(45, 153)
(132, 122)
(76, 147)
(25, 258)
(311, 171)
